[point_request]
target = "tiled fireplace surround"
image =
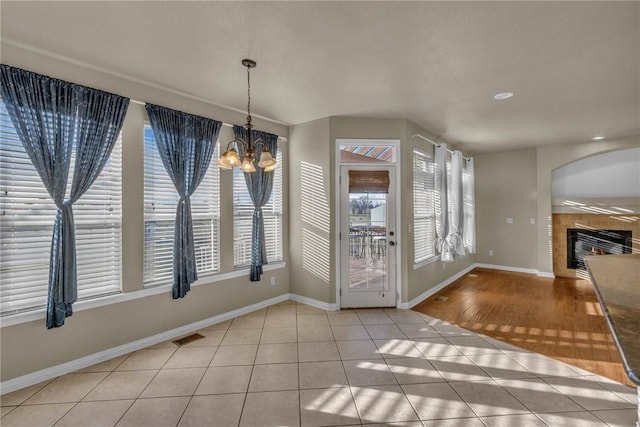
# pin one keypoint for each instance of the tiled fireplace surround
(563, 221)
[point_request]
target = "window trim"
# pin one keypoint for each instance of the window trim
(426, 261)
(38, 314)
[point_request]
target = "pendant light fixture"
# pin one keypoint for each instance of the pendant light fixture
(231, 158)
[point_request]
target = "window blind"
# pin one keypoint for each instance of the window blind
(160, 203)
(243, 217)
(468, 181)
(26, 227)
(368, 181)
(423, 206)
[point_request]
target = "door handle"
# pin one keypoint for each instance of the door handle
(392, 243)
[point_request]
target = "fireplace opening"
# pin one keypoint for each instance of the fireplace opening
(582, 243)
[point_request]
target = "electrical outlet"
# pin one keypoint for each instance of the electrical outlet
(509, 220)
(491, 253)
(532, 221)
(273, 281)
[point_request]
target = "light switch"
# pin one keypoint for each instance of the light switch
(509, 220)
(532, 221)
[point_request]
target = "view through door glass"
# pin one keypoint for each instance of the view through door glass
(367, 269)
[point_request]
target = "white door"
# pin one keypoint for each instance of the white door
(367, 236)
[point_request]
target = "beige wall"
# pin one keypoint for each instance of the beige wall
(313, 146)
(368, 128)
(517, 184)
(28, 347)
(311, 262)
(312, 198)
(506, 188)
(552, 157)
(136, 90)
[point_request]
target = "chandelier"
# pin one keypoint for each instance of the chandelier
(231, 158)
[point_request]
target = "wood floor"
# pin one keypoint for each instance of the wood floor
(560, 318)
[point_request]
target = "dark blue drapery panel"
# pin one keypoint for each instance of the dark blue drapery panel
(185, 143)
(51, 117)
(259, 185)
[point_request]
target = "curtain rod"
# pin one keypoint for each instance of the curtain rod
(435, 143)
(229, 125)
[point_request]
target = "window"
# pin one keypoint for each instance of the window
(26, 227)
(468, 182)
(423, 207)
(353, 152)
(243, 217)
(160, 202)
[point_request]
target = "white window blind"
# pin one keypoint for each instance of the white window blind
(423, 206)
(160, 203)
(27, 214)
(468, 180)
(243, 217)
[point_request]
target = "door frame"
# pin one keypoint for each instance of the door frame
(338, 210)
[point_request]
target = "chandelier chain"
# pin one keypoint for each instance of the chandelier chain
(249, 91)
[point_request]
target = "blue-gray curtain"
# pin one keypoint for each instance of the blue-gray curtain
(185, 143)
(51, 117)
(259, 185)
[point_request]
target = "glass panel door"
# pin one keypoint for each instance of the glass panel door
(367, 239)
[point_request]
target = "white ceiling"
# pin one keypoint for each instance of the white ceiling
(574, 66)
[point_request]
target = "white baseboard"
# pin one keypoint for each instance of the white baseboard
(327, 306)
(546, 274)
(508, 268)
(430, 292)
(23, 381)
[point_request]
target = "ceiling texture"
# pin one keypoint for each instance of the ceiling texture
(574, 67)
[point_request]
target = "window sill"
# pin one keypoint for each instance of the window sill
(29, 316)
(240, 272)
(426, 262)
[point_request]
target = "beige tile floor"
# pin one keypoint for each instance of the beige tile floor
(295, 365)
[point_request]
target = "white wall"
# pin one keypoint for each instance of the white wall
(613, 174)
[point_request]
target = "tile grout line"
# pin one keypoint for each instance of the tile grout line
(93, 388)
(538, 377)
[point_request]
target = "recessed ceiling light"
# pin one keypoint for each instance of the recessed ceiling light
(597, 138)
(503, 95)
